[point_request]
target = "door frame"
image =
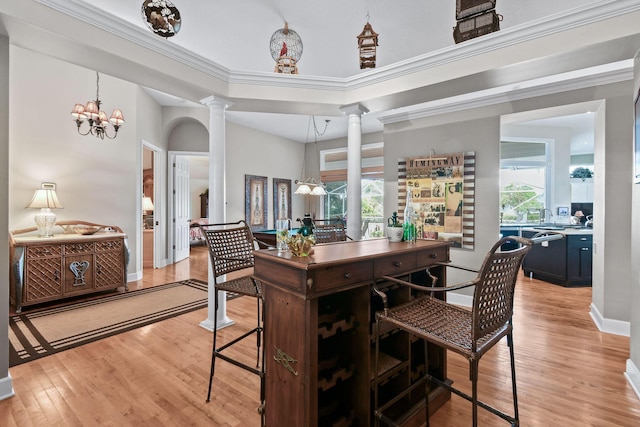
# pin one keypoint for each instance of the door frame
(171, 229)
(158, 202)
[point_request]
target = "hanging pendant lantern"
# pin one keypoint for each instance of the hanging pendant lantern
(367, 42)
(286, 50)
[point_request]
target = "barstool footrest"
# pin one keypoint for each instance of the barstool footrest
(483, 405)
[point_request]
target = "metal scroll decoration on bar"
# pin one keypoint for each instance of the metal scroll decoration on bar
(443, 190)
(78, 268)
(285, 360)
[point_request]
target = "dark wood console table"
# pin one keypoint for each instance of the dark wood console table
(318, 332)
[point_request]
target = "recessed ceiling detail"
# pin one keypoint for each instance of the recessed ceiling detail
(162, 17)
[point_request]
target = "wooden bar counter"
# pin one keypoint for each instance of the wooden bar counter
(318, 332)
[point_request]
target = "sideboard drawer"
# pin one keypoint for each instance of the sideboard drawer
(78, 248)
(434, 255)
(394, 264)
(44, 251)
(341, 275)
(108, 245)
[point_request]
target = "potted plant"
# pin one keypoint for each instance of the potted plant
(394, 228)
(582, 173)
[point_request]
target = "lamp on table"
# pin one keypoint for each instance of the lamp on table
(45, 199)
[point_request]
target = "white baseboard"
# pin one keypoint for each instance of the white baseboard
(134, 277)
(460, 299)
(610, 326)
(632, 374)
(6, 387)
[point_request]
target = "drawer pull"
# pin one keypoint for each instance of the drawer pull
(433, 255)
(583, 238)
(584, 249)
(347, 275)
(56, 275)
(397, 263)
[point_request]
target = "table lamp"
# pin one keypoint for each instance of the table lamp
(147, 208)
(45, 199)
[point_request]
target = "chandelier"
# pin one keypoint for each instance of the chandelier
(96, 118)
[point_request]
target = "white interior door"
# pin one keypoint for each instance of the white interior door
(181, 208)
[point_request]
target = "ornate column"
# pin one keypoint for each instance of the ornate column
(217, 196)
(354, 169)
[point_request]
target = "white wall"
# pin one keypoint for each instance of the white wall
(633, 366)
(252, 152)
(6, 386)
(96, 179)
(479, 130)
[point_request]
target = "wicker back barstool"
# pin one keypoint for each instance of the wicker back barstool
(231, 247)
(470, 333)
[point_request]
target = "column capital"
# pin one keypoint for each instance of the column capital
(216, 101)
(357, 109)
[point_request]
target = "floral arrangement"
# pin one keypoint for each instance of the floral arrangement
(301, 245)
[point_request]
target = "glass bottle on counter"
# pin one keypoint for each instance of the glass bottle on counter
(409, 225)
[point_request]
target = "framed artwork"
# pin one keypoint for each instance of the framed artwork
(281, 199)
(563, 211)
(442, 196)
(255, 201)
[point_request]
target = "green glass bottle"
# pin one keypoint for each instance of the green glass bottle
(409, 225)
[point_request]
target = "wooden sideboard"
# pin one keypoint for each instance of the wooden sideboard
(319, 332)
(51, 268)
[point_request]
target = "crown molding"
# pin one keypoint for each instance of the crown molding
(589, 77)
(574, 18)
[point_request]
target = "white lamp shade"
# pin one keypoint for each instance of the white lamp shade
(318, 191)
(78, 112)
(303, 189)
(45, 198)
(91, 110)
(147, 204)
(117, 118)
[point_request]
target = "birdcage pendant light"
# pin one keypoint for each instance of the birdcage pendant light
(367, 43)
(286, 50)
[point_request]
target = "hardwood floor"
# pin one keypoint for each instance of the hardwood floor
(569, 374)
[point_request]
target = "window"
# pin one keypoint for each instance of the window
(524, 176)
(333, 172)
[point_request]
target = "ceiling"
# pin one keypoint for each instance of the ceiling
(234, 36)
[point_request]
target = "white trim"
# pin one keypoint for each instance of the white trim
(171, 158)
(460, 299)
(543, 27)
(632, 374)
(589, 77)
(6, 387)
(610, 326)
(159, 202)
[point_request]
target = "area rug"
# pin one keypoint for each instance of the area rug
(49, 331)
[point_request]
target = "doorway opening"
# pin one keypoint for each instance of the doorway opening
(189, 187)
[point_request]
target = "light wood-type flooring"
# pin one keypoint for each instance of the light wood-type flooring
(569, 374)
